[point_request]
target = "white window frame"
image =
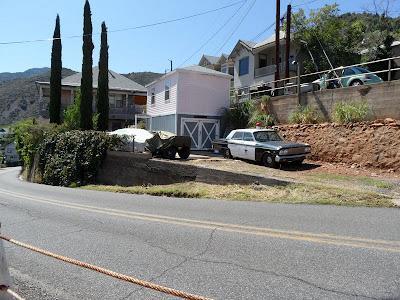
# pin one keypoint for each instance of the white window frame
(167, 91)
(153, 97)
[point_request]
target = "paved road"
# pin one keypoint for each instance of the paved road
(219, 249)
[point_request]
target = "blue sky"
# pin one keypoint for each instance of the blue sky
(145, 49)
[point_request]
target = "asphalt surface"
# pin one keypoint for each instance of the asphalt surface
(218, 249)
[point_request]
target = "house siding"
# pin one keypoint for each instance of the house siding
(244, 80)
(201, 94)
(161, 107)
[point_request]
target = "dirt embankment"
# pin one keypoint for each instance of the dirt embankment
(368, 144)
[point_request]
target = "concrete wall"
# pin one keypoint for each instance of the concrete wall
(128, 169)
(382, 98)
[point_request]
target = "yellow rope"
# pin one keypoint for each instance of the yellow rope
(113, 274)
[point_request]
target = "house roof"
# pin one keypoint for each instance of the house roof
(115, 81)
(193, 69)
(270, 40)
(211, 59)
(251, 46)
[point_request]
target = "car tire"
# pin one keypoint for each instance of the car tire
(227, 153)
(170, 153)
(356, 83)
(184, 153)
(268, 160)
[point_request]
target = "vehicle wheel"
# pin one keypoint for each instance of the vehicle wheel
(170, 153)
(356, 83)
(269, 161)
(227, 153)
(184, 153)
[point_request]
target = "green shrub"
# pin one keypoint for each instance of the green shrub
(72, 114)
(28, 136)
(260, 112)
(237, 116)
(305, 115)
(349, 112)
(73, 158)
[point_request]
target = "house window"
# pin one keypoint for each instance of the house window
(46, 92)
(224, 68)
(244, 66)
(166, 94)
(153, 97)
(262, 61)
(117, 100)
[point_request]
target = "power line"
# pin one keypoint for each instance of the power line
(129, 28)
(215, 33)
(305, 3)
(240, 23)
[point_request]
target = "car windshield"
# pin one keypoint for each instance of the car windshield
(267, 136)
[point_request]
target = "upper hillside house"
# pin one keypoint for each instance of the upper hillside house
(127, 98)
(222, 64)
(254, 63)
(189, 101)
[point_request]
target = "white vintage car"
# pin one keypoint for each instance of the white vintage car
(261, 145)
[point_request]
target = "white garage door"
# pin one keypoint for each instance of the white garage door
(201, 131)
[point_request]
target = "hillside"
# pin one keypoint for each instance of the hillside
(6, 76)
(143, 78)
(19, 97)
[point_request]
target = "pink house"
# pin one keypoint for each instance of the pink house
(189, 101)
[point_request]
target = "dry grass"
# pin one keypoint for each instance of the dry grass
(359, 180)
(293, 193)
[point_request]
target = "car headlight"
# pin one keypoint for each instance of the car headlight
(307, 149)
(284, 152)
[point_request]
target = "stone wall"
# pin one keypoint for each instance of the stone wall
(369, 144)
(382, 98)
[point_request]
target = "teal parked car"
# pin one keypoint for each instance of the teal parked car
(351, 76)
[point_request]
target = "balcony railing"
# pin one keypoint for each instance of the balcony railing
(265, 71)
(270, 70)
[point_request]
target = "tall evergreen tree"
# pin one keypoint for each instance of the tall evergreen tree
(102, 90)
(55, 77)
(87, 72)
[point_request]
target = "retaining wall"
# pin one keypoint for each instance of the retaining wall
(382, 98)
(128, 169)
(369, 144)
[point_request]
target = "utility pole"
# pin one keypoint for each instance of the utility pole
(277, 39)
(170, 60)
(288, 28)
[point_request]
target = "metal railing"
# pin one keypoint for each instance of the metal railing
(291, 85)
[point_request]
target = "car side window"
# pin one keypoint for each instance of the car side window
(238, 136)
(248, 137)
(348, 72)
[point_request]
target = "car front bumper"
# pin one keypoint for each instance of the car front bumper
(290, 158)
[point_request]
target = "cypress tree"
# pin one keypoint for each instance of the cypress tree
(87, 72)
(102, 90)
(55, 77)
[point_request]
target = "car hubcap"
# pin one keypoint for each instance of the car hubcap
(269, 160)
